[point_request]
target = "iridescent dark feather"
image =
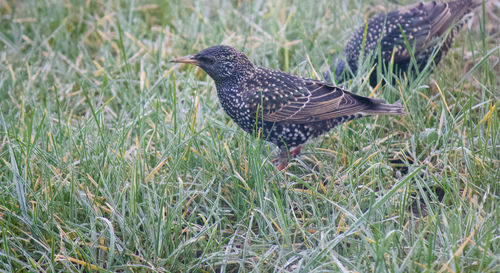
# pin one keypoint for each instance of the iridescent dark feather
(303, 101)
(424, 24)
(286, 109)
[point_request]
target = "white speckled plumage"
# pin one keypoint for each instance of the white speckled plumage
(287, 109)
(425, 24)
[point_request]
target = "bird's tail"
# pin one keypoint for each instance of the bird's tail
(378, 107)
(385, 109)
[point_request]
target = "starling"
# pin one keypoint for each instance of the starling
(424, 24)
(286, 109)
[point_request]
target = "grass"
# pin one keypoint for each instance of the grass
(114, 159)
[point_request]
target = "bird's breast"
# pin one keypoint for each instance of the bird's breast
(236, 108)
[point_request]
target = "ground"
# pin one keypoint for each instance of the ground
(114, 159)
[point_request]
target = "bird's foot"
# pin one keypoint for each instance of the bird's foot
(280, 163)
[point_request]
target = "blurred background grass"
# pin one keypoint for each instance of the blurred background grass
(114, 159)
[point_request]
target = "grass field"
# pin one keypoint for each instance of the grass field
(114, 159)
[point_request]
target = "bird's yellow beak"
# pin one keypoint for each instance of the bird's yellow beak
(186, 59)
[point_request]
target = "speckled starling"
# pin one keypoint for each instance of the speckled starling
(286, 109)
(425, 26)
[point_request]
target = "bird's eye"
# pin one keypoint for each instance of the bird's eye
(207, 60)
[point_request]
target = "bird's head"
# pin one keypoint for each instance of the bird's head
(340, 67)
(222, 63)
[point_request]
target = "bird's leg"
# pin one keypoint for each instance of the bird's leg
(284, 156)
(282, 159)
(295, 151)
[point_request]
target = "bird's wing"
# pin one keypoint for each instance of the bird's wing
(302, 100)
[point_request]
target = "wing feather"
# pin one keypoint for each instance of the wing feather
(303, 100)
